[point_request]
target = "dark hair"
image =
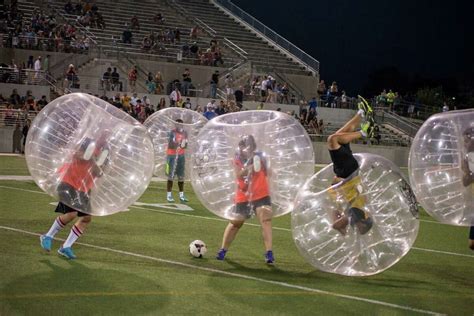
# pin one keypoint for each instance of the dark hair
(179, 121)
(248, 141)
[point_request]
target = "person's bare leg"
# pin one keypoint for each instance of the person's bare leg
(264, 215)
(230, 232)
(351, 125)
(336, 140)
(82, 222)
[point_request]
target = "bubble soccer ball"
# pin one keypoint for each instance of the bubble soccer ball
(171, 138)
(88, 154)
(441, 167)
(360, 226)
(197, 248)
(283, 145)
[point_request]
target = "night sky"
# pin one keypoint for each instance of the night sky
(351, 39)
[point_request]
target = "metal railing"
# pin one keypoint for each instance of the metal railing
(22, 76)
(309, 62)
(386, 117)
(12, 117)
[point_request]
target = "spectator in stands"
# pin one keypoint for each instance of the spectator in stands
(41, 103)
(68, 8)
(116, 83)
(187, 104)
(321, 127)
(9, 117)
(175, 96)
(134, 24)
(17, 135)
(45, 66)
(161, 104)
(313, 104)
(263, 88)
(15, 98)
(37, 67)
(158, 18)
(25, 131)
(159, 83)
(210, 113)
(285, 91)
(214, 83)
(132, 78)
(186, 82)
(194, 50)
(107, 79)
(221, 108)
(126, 99)
(322, 89)
(151, 86)
(127, 36)
(390, 99)
(377, 135)
(30, 62)
(344, 103)
(311, 115)
(239, 96)
(229, 86)
(332, 95)
(72, 78)
(194, 32)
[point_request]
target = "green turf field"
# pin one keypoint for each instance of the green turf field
(137, 263)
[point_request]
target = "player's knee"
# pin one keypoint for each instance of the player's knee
(471, 244)
(236, 224)
(86, 219)
(264, 213)
(332, 141)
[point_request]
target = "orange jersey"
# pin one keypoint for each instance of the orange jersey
(79, 174)
(175, 139)
(254, 186)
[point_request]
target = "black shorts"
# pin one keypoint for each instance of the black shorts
(71, 200)
(246, 209)
(344, 163)
(471, 233)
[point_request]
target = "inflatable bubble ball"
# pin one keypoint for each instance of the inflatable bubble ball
(360, 226)
(173, 132)
(88, 154)
(246, 156)
(441, 167)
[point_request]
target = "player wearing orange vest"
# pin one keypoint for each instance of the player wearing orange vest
(251, 197)
(175, 160)
(77, 180)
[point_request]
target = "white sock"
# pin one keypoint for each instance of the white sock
(55, 228)
(361, 113)
(181, 194)
(73, 236)
(169, 195)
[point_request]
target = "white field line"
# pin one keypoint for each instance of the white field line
(242, 276)
(247, 224)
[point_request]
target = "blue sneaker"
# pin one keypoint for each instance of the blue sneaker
(221, 254)
(46, 242)
(67, 252)
(269, 257)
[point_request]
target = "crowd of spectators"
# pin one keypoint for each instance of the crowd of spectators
(267, 89)
(30, 71)
(40, 32)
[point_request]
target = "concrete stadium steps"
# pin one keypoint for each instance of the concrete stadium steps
(242, 37)
(117, 14)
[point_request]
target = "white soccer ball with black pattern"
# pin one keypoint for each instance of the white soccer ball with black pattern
(197, 248)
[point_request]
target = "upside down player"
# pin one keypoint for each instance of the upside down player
(77, 181)
(467, 167)
(346, 167)
(252, 196)
(175, 160)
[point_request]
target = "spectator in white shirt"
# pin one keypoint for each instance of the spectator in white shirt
(37, 67)
(175, 96)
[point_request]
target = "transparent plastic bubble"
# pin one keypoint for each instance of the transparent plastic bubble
(88, 154)
(357, 227)
(441, 166)
(284, 152)
(162, 125)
